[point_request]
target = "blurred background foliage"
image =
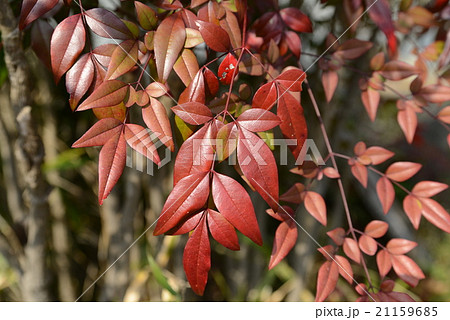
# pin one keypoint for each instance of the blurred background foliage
(85, 239)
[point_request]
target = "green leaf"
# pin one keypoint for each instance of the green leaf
(160, 278)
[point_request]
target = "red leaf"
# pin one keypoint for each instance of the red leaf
(186, 66)
(296, 20)
(326, 280)
(215, 37)
(293, 123)
(291, 80)
(117, 112)
(337, 235)
(400, 246)
(123, 59)
(197, 258)
(351, 249)
(384, 262)
(413, 209)
(258, 165)
(79, 78)
(407, 119)
(140, 140)
(378, 154)
(99, 133)
(266, 96)
(106, 24)
(187, 225)
(371, 100)
(235, 205)
(34, 9)
(228, 69)
(444, 115)
(402, 171)
(189, 195)
(331, 173)
(195, 91)
(156, 119)
(330, 81)
(368, 245)
(427, 189)
(285, 239)
(258, 120)
(400, 297)
(211, 82)
(146, 16)
(111, 162)
(353, 48)
(195, 155)
(41, 34)
(295, 194)
(359, 171)
(376, 229)
(316, 206)
(345, 269)
(67, 42)
(386, 193)
(221, 230)
(110, 93)
(328, 252)
(103, 53)
(293, 42)
(407, 269)
(168, 42)
(435, 93)
(156, 89)
(397, 70)
(227, 138)
(436, 214)
(231, 25)
(380, 13)
(193, 112)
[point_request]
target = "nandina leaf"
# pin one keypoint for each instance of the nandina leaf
(226, 139)
(258, 165)
(188, 195)
(413, 209)
(41, 34)
(187, 225)
(397, 70)
(231, 25)
(197, 258)
(407, 269)
(384, 262)
(401, 171)
(330, 81)
(106, 24)
(428, 189)
(195, 91)
(140, 140)
(359, 171)
(326, 280)
(337, 235)
(79, 78)
(386, 193)
(359, 148)
(371, 101)
(156, 89)
(211, 12)
(196, 3)
(351, 249)
(111, 163)
(168, 42)
(193, 38)
(284, 241)
(407, 119)
(345, 269)
(435, 93)
(109, 93)
(295, 194)
(141, 98)
(117, 112)
(251, 64)
(328, 252)
(436, 214)
(284, 213)
(235, 205)
(228, 69)
(378, 154)
(196, 154)
(146, 16)
(291, 80)
(331, 173)
(193, 112)
(296, 20)
(34, 9)
(367, 244)
(316, 206)
(186, 67)
(353, 48)
(376, 229)
(444, 115)
(215, 37)
(99, 133)
(266, 96)
(67, 42)
(221, 230)
(400, 246)
(258, 120)
(399, 297)
(156, 119)
(293, 123)
(103, 53)
(123, 59)
(293, 42)
(211, 82)
(380, 13)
